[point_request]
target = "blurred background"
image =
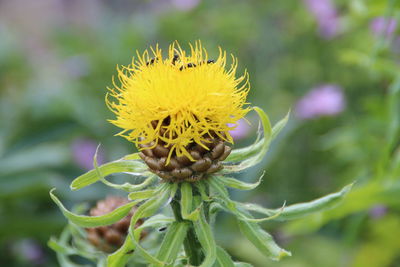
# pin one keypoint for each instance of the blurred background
(333, 63)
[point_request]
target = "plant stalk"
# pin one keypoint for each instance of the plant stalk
(191, 244)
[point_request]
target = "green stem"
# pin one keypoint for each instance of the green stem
(191, 245)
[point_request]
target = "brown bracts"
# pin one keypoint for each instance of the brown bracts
(110, 238)
(206, 159)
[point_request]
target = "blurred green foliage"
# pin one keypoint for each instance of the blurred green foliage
(58, 56)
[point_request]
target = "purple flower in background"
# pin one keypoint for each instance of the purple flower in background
(29, 251)
(83, 151)
(377, 211)
(185, 5)
(324, 100)
(326, 15)
(383, 26)
(241, 131)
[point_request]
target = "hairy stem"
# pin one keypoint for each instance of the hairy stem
(191, 244)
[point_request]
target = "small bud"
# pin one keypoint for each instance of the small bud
(110, 238)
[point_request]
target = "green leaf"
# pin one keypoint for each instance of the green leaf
(243, 264)
(262, 240)
(172, 242)
(159, 220)
(126, 186)
(231, 206)
(224, 259)
(257, 154)
(206, 239)
(119, 166)
(63, 249)
(122, 255)
(147, 209)
(358, 199)
(148, 181)
(302, 209)
(186, 203)
(145, 194)
(234, 183)
(133, 156)
(201, 187)
(278, 127)
(58, 247)
(259, 146)
(94, 221)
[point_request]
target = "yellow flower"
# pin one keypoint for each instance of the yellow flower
(178, 100)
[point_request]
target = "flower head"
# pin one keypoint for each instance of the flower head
(83, 150)
(383, 26)
(326, 16)
(242, 130)
(183, 99)
(324, 100)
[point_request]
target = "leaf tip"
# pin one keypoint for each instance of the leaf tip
(284, 253)
(347, 189)
(51, 191)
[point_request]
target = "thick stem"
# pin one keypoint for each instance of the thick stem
(191, 245)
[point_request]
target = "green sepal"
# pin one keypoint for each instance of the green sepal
(206, 239)
(172, 242)
(301, 209)
(94, 221)
(119, 166)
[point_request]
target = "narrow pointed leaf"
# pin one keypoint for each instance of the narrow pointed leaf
(279, 126)
(119, 166)
(243, 264)
(147, 209)
(133, 156)
(187, 203)
(128, 187)
(232, 206)
(234, 183)
(262, 240)
(224, 259)
(258, 155)
(145, 194)
(241, 154)
(156, 221)
(172, 242)
(302, 209)
(206, 239)
(58, 247)
(122, 255)
(94, 221)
